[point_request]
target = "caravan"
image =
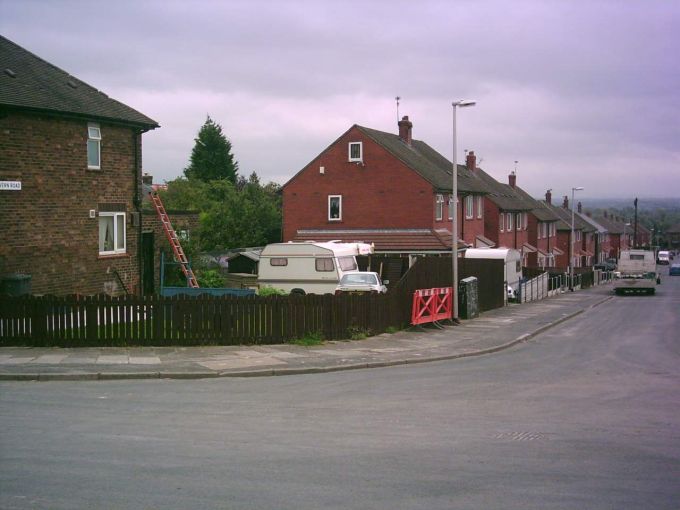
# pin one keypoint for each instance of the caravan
(308, 267)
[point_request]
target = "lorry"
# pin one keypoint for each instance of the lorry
(512, 260)
(308, 267)
(636, 272)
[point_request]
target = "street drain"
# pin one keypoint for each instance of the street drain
(521, 436)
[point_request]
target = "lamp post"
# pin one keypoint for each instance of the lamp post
(571, 240)
(454, 221)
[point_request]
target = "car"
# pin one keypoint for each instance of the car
(606, 265)
(360, 282)
(674, 270)
(512, 293)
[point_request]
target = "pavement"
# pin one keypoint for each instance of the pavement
(491, 332)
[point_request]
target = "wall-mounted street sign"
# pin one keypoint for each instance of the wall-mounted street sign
(10, 185)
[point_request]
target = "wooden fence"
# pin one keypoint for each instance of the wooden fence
(75, 321)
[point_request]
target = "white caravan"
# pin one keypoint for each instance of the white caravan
(513, 264)
(308, 267)
(636, 272)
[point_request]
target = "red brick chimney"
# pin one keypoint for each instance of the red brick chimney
(578, 208)
(548, 197)
(471, 161)
(565, 204)
(512, 179)
(405, 128)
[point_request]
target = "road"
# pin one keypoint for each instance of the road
(586, 415)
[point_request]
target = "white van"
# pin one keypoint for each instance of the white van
(663, 258)
(308, 267)
(636, 272)
(513, 265)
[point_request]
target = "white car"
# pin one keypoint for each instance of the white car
(361, 281)
(512, 294)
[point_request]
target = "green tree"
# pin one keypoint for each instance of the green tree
(211, 157)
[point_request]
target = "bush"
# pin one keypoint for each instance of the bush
(312, 338)
(271, 291)
(210, 278)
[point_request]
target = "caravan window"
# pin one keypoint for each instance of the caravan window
(278, 261)
(347, 263)
(324, 264)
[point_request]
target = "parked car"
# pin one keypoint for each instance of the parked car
(674, 270)
(607, 265)
(361, 281)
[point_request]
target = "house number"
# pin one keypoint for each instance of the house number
(10, 185)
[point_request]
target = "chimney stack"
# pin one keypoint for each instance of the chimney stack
(147, 179)
(565, 204)
(405, 128)
(512, 179)
(471, 161)
(579, 209)
(548, 197)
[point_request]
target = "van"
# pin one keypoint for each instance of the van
(513, 265)
(663, 258)
(636, 272)
(308, 267)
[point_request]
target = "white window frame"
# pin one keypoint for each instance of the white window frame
(480, 206)
(116, 250)
(508, 219)
(452, 204)
(518, 220)
(526, 221)
(361, 152)
(502, 221)
(330, 198)
(439, 207)
(578, 235)
(94, 134)
(469, 207)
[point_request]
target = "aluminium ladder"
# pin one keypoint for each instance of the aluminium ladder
(174, 240)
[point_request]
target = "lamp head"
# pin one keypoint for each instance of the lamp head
(578, 188)
(464, 102)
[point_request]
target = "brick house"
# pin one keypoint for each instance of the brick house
(382, 188)
(620, 233)
(72, 219)
(601, 235)
(583, 242)
(542, 231)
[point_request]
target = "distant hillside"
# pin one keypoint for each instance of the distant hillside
(644, 204)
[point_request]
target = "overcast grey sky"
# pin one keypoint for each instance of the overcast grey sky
(581, 93)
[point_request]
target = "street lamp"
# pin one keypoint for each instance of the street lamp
(571, 239)
(454, 221)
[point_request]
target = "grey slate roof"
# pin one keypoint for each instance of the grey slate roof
(30, 83)
(612, 226)
(537, 208)
(565, 216)
(503, 195)
(427, 162)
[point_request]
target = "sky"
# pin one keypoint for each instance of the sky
(570, 93)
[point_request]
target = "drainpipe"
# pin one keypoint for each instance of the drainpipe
(137, 200)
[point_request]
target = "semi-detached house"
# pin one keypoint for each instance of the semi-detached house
(71, 215)
(383, 188)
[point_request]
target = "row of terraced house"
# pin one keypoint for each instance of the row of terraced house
(71, 193)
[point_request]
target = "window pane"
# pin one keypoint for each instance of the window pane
(334, 208)
(347, 263)
(278, 261)
(120, 232)
(93, 153)
(324, 264)
(93, 132)
(105, 233)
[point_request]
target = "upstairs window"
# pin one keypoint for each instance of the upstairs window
(111, 233)
(356, 153)
(518, 220)
(334, 207)
(94, 140)
(469, 205)
(452, 204)
(439, 207)
(509, 220)
(479, 206)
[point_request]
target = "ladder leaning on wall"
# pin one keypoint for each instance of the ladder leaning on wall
(174, 240)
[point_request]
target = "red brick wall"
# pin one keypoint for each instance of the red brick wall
(45, 229)
(380, 193)
(491, 220)
(562, 242)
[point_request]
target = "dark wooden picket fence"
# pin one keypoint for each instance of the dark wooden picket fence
(73, 321)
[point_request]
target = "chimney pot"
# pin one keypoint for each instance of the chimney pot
(548, 197)
(405, 130)
(512, 179)
(579, 208)
(565, 204)
(471, 161)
